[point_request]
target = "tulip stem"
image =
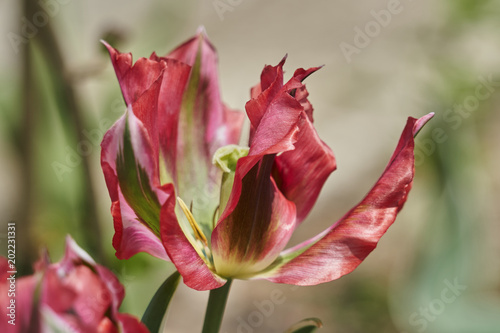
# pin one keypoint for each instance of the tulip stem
(215, 308)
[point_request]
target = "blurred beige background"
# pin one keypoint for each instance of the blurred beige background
(426, 56)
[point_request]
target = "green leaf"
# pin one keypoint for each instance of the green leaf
(158, 305)
(306, 326)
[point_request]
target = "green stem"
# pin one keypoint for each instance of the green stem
(215, 308)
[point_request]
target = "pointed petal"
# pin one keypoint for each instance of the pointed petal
(272, 75)
(342, 247)
(301, 93)
(271, 83)
(74, 255)
(263, 94)
(305, 162)
(131, 175)
(194, 270)
(154, 87)
(273, 109)
(136, 78)
(301, 173)
(258, 220)
(210, 120)
(205, 125)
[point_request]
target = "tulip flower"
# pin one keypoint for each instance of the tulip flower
(183, 190)
(74, 295)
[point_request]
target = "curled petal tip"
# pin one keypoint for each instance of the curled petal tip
(421, 122)
(110, 48)
(106, 44)
(302, 74)
(282, 62)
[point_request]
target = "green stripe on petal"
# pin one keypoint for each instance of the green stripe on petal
(251, 236)
(135, 184)
(194, 174)
(204, 125)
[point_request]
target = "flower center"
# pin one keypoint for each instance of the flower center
(197, 237)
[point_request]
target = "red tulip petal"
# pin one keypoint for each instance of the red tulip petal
(194, 270)
(212, 120)
(342, 247)
(205, 125)
(230, 133)
(92, 300)
(129, 324)
(132, 236)
(132, 178)
(73, 295)
(106, 325)
(113, 285)
(75, 256)
(204, 115)
(258, 220)
(25, 296)
(25, 288)
(258, 228)
(134, 79)
(163, 81)
(276, 133)
(94, 290)
(301, 173)
(175, 79)
(301, 93)
(263, 94)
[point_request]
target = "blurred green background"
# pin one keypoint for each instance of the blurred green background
(436, 270)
